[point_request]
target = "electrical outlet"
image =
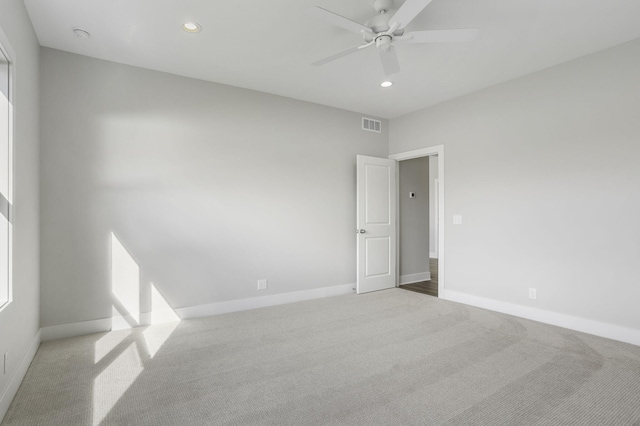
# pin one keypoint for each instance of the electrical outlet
(457, 219)
(533, 293)
(262, 284)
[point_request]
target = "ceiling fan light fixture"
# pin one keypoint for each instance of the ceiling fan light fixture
(386, 84)
(191, 27)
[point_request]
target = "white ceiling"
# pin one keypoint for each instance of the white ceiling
(269, 45)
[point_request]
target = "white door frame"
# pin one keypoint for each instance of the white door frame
(425, 152)
(436, 202)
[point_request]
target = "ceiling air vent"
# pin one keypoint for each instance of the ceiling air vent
(371, 125)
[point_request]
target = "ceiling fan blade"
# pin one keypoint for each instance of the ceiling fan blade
(337, 20)
(336, 56)
(408, 11)
(389, 60)
(442, 36)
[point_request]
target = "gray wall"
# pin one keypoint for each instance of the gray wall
(414, 216)
(544, 170)
(209, 187)
(19, 322)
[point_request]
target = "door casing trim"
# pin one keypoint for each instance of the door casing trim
(418, 153)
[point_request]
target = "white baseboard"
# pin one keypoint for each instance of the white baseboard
(18, 375)
(117, 323)
(597, 328)
(262, 302)
(76, 329)
(415, 278)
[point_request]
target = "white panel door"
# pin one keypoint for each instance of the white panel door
(376, 223)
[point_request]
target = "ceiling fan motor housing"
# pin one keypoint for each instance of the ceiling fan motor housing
(379, 23)
(383, 42)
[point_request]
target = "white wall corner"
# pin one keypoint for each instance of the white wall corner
(415, 278)
(596, 328)
(18, 375)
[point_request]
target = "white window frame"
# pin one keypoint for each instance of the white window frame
(6, 294)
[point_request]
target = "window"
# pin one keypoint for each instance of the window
(5, 178)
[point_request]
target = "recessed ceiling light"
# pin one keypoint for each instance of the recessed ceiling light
(80, 33)
(386, 84)
(191, 27)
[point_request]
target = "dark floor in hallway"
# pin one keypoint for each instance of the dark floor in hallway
(426, 287)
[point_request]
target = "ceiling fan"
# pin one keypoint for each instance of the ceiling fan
(383, 30)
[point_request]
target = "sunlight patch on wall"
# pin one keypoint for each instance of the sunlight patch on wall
(135, 302)
(112, 383)
(160, 310)
(164, 321)
(125, 286)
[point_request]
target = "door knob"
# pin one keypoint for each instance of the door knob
(360, 231)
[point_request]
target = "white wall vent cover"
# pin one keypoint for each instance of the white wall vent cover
(371, 125)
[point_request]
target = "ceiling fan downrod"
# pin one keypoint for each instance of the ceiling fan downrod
(382, 6)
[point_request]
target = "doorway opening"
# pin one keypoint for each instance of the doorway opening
(420, 206)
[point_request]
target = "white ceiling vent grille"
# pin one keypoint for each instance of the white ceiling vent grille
(371, 125)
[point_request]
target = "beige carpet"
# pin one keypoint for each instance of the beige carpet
(388, 358)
